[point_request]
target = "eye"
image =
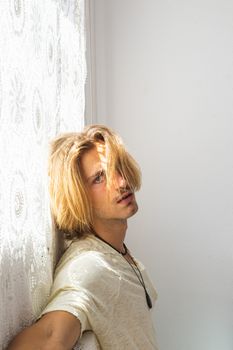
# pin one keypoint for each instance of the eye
(100, 177)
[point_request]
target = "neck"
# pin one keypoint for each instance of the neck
(112, 232)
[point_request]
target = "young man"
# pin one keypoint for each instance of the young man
(98, 285)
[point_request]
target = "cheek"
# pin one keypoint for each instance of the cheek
(97, 195)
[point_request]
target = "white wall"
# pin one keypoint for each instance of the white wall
(164, 78)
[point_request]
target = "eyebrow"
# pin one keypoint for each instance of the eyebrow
(95, 174)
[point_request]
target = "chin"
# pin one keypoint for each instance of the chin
(133, 211)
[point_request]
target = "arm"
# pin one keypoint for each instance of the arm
(57, 330)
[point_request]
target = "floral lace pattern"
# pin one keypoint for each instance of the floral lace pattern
(42, 76)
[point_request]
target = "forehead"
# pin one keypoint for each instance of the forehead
(93, 160)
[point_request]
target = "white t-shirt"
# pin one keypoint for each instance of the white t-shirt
(97, 285)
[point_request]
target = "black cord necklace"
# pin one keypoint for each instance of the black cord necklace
(122, 253)
(136, 271)
(141, 280)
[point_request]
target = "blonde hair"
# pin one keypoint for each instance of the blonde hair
(70, 206)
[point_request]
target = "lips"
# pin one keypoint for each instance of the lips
(124, 196)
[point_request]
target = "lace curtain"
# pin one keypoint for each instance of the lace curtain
(42, 77)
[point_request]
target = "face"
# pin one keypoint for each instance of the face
(113, 203)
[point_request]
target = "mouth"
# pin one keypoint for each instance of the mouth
(125, 196)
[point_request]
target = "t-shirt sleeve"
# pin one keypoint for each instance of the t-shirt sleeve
(80, 288)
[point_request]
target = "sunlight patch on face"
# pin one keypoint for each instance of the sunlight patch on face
(101, 150)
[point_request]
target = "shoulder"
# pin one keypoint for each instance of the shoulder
(82, 251)
(86, 263)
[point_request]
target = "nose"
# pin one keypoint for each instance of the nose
(120, 181)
